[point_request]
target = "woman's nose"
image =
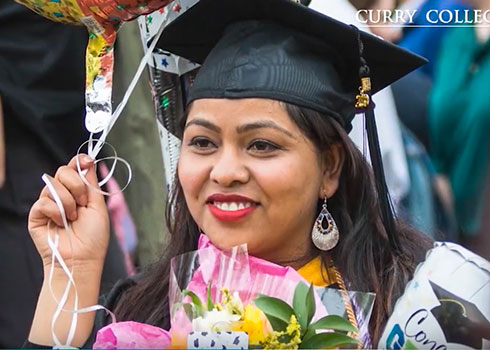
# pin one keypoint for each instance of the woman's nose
(229, 169)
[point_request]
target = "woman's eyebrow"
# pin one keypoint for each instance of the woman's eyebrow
(263, 124)
(204, 123)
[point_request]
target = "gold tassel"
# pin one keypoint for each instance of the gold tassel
(362, 100)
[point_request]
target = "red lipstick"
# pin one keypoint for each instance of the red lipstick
(229, 215)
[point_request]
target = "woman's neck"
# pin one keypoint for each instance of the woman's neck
(298, 262)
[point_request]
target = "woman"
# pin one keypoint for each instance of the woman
(264, 150)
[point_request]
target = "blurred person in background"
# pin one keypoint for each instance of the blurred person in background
(459, 121)
(394, 160)
(411, 95)
(418, 35)
(423, 38)
(42, 84)
(409, 173)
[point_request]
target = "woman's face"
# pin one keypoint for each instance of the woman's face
(249, 175)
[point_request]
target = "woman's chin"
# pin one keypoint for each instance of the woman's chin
(227, 241)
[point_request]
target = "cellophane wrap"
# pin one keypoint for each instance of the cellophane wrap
(249, 276)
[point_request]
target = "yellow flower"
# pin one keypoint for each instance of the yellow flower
(288, 339)
(255, 324)
(232, 303)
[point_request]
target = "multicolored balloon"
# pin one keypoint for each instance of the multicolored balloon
(102, 19)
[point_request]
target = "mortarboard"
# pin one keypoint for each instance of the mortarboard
(282, 50)
(461, 321)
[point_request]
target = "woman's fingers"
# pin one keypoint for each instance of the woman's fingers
(84, 160)
(95, 199)
(73, 183)
(72, 190)
(66, 197)
(43, 210)
(70, 178)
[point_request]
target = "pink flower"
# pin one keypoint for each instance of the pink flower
(132, 335)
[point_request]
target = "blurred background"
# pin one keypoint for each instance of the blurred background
(434, 128)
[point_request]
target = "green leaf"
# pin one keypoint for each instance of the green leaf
(277, 324)
(210, 301)
(195, 301)
(299, 305)
(329, 322)
(189, 311)
(310, 332)
(327, 341)
(334, 322)
(310, 304)
(274, 309)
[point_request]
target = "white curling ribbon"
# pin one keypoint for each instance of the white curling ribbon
(55, 255)
(109, 123)
(102, 182)
(98, 121)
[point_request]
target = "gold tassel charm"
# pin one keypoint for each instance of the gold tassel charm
(363, 100)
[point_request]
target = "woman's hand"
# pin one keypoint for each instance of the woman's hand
(88, 219)
(86, 214)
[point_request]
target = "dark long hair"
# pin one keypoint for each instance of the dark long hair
(363, 254)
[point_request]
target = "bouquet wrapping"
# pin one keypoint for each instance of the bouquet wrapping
(232, 300)
(242, 276)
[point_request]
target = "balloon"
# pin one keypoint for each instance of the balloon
(102, 19)
(445, 306)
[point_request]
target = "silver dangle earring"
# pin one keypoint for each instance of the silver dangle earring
(325, 233)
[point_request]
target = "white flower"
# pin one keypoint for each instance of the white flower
(214, 321)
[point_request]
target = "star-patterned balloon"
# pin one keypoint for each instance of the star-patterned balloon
(171, 76)
(107, 13)
(102, 19)
(149, 26)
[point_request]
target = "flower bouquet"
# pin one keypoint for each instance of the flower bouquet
(230, 300)
(267, 323)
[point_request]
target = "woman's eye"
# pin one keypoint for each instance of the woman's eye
(201, 143)
(262, 146)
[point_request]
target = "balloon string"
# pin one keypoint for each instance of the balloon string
(93, 152)
(115, 158)
(94, 146)
(56, 256)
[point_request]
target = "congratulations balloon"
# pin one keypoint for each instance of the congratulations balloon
(102, 18)
(445, 306)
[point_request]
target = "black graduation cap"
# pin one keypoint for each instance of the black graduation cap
(282, 50)
(461, 321)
